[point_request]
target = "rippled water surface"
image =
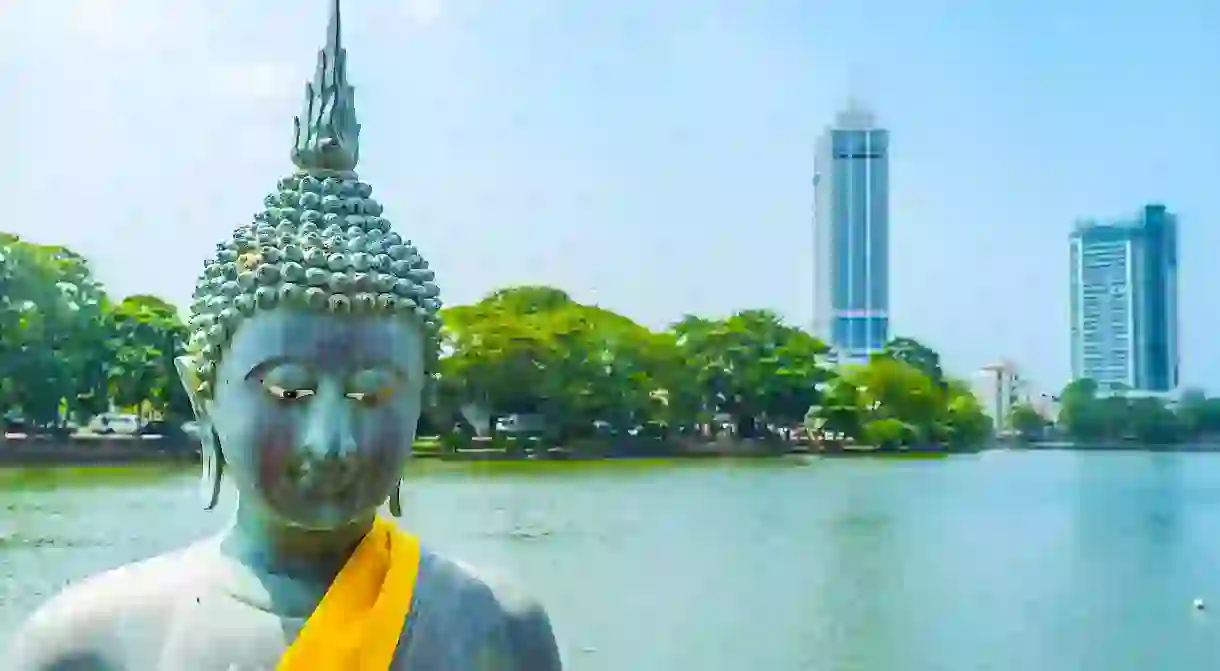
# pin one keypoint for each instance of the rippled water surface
(1005, 561)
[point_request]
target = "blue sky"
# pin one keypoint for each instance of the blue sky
(652, 157)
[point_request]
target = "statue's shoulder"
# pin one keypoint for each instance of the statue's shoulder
(91, 622)
(482, 606)
(446, 580)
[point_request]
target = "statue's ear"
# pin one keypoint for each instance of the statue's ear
(188, 372)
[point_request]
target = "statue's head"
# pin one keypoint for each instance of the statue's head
(315, 330)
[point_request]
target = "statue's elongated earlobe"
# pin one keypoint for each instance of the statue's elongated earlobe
(396, 500)
(188, 373)
(213, 466)
(210, 453)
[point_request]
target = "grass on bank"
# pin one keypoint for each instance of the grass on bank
(427, 445)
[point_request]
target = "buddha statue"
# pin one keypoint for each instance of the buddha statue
(315, 333)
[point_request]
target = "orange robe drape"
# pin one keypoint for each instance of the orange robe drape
(357, 623)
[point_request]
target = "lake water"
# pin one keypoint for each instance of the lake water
(1002, 561)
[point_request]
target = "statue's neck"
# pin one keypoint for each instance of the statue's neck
(269, 546)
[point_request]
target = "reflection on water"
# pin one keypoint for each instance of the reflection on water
(1144, 528)
(1006, 561)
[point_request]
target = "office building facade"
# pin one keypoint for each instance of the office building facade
(1124, 302)
(999, 389)
(851, 235)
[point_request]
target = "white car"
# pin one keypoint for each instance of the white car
(520, 423)
(113, 422)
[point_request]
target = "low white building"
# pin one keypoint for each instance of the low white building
(998, 388)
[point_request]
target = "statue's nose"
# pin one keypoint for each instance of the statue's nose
(329, 433)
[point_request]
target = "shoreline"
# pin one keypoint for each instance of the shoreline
(1070, 446)
(122, 451)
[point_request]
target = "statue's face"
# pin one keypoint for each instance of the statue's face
(315, 413)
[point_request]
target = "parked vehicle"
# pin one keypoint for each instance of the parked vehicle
(114, 423)
(161, 428)
(14, 423)
(521, 423)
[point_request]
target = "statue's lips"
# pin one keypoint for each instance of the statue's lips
(328, 477)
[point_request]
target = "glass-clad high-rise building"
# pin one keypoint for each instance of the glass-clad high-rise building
(1124, 301)
(851, 235)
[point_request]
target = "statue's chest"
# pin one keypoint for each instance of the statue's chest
(227, 635)
(224, 635)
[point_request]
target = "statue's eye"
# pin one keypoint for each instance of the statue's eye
(371, 386)
(289, 394)
(367, 397)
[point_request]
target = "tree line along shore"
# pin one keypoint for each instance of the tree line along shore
(581, 373)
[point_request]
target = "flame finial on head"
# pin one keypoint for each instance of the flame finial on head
(326, 134)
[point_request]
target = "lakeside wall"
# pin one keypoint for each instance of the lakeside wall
(94, 451)
(617, 447)
(20, 452)
(97, 451)
(36, 452)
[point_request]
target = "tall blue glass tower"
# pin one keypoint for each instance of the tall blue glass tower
(851, 235)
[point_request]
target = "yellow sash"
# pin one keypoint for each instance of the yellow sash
(357, 624)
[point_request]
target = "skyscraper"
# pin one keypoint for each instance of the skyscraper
(1124, 301)
(851, 235)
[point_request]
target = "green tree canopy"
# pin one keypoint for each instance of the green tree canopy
(1087, 415)
(753, 367)
(67, 349)
(917, 355)
(890, 403)
(148, 335)
(534, 350)
(53, 319)
(1027, 421)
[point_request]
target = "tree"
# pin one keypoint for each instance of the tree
(1199, 416)
(840, 413)
(888, 433)
(894, 389)
(1080, 414)
(1027, 421)
(753, 367)
(917, 355)
(1151, 422)
(148, 334)
(967, 424)
(52, 317)
(889, 403)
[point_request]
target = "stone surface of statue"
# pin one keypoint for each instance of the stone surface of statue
(315, 331)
